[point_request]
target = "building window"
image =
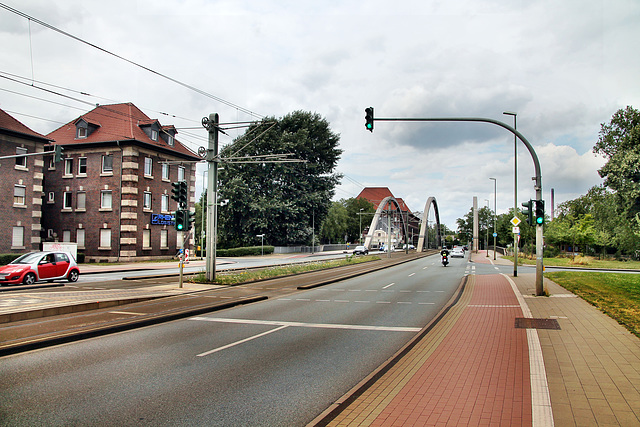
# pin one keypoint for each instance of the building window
(164, 239)
(105, 238)
(19, 195)
(81, 201)
(146, 200)
(165, 171)
(105, 199)
(165, 203)
(170, 140)
(51, 197)
(68, 167)
(154, 134)
(179, 240)
(82, 166)
(148, 166)
(17, 239)
(146, 239)
(21, 161)
(82, 132)
(80, 237)
(181, 173)
(67, 201)
(66, 235)
(107, 163)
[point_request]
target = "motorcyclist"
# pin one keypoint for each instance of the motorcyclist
(444, 252)
(444, 255)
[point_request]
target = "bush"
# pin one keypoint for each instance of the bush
(246, 251)
(7, 258)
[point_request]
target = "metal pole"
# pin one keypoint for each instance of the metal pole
(515, 191)
(487, 244)
(360, 235)
(212, 194)
(495, 209)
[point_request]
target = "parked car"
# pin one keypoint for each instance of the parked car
(40, 266)
(457, 253)
(360, 250)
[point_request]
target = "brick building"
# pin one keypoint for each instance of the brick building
(21, 195)
(111, 192)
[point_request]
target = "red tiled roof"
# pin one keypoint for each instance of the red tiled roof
(9, 123)
(377, 194)
(117, 122)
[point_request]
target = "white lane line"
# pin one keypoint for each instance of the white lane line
(424, 268)
(388, 286)
(323, 300)
(307, 325)
(426, 303)
(412, 274)
(383, 302)
(233, 344)
(127, 312)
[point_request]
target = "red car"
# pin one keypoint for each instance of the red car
(38, 266)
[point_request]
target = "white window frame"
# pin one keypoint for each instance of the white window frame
(105, 168)
(165, 171)
(154, 134)
(80, 237)
(106, 200)
(19, 195)
(146, 200)
(67, 200)
(68, 166)
(66, 236)
(165, 203)
(83, 132)
(164, 239)
(81, 201)
(146, 239)
(148, 167)
(21, 162)
(181, 173)
(51, 197)
(105, 237)
(17, 238)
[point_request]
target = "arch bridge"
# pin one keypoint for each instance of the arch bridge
(386, 206)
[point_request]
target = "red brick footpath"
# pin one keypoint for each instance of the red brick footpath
(491, 361)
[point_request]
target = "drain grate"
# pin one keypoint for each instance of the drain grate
(529, 323)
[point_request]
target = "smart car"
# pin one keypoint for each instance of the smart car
(40, 266)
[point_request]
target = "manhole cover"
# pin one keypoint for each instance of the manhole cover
(529, 323)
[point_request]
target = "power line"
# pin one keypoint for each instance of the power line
(58, 30)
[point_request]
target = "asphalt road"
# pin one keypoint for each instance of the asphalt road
(279, 362)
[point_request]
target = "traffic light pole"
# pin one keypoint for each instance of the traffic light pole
(212, 194)
(536, 165)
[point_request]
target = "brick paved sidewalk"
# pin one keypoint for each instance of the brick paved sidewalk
(471, 369)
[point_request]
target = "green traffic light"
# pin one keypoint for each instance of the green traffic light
(539, 220)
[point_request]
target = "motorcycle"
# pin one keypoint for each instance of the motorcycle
(445, 260)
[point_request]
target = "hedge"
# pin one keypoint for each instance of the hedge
(250, 250)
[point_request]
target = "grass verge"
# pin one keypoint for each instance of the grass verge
(580, 261)
(237, 277)
(615, 294)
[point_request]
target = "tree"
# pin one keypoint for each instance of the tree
(284, 201)
(343, 220)
(619, 143)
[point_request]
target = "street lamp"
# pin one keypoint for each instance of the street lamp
(487, 246)
(262, 237)
(360, 235)
(495, 212)
(515, 190)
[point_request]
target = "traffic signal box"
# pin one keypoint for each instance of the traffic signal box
(539, 212)
(528, 211)
(179, 193)
(368, 118)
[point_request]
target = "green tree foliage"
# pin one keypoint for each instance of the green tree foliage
(343, 220)
(619, 142)
(282, 200)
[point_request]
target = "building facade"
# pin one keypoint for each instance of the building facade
(21, 196)
(111, 191)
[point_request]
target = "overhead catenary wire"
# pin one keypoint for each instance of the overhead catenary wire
(188, 86)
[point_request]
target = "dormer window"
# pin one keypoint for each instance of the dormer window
(82, 132)
(154, 134)
(170, 140)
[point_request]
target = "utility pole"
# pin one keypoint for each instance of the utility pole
(212, 125)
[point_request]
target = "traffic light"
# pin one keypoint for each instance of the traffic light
(179, 193)
(191, 218)
(57, 153)
(368, 118)
(528, 211)
(180, 223)
(539, 212)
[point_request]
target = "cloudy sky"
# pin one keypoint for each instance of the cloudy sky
(564, 66)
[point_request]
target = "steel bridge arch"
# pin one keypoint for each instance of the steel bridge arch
(376, 217)
(424, 228)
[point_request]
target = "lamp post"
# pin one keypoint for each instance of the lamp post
(487, 246)
(515, 190)
(360, 235)
(262, 237)
(495, 212)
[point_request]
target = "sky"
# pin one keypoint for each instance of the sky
(564, 66)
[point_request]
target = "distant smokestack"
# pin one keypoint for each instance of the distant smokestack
(552, 202)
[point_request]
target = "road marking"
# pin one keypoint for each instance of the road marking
(424, 268)
(363, 301)
(426, 303)
(282, 325)
(127, 312)
(383, 302)
(323, 300)
(411, 274)
(388, 286)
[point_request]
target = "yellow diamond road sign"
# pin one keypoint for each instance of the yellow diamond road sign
(515, 221)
